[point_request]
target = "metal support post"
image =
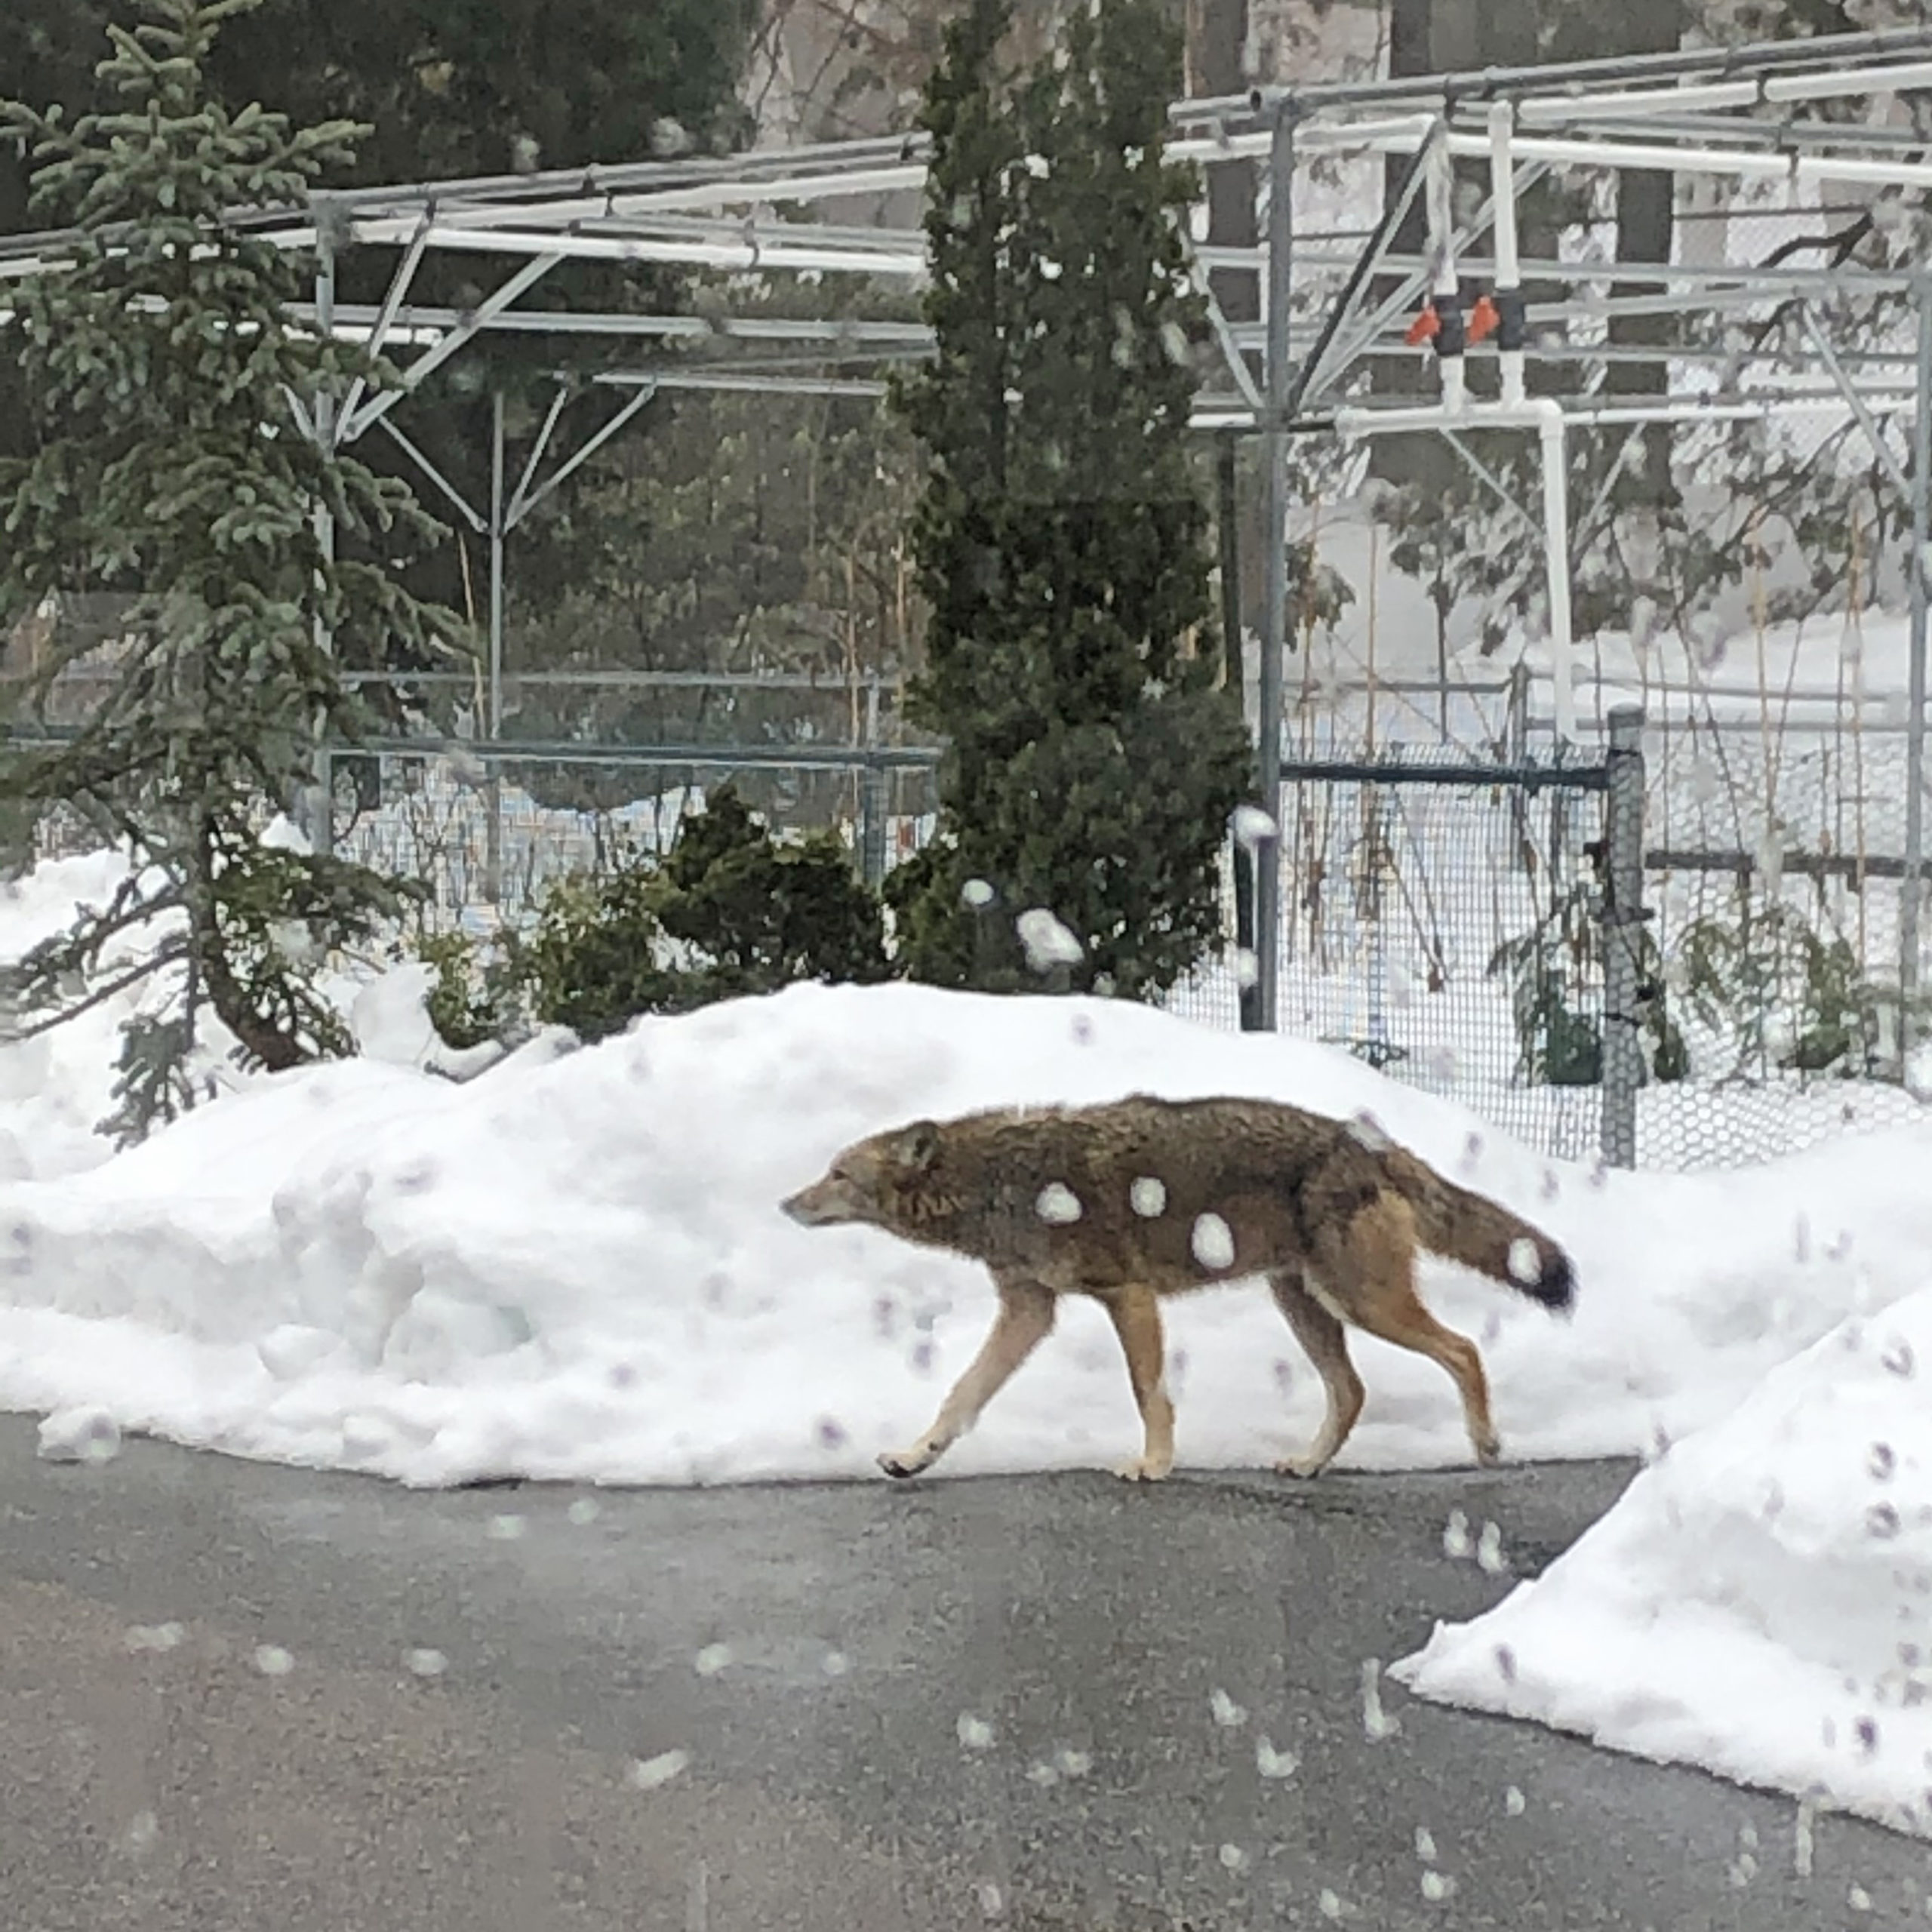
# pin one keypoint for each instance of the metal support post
(874, 806)
(493, 879)
(317, 806)
(1912, 887)
(1275, 443)
(1622, 936)
(1227, 512)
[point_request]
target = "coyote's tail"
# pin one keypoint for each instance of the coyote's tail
(1469, 1228)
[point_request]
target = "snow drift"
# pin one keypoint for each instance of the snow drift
(1759, 1602)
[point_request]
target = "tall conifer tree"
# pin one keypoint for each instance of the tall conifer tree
(1062, 542)
(171, 462)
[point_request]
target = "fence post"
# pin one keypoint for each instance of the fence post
(1622, 934)
(874, 809)
(1911, 892)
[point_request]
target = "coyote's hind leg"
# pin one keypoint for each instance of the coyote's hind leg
(1323, 1337)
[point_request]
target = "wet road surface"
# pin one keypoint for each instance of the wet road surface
(236, 1698)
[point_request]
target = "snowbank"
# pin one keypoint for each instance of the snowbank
(575, 1266)
(1759, 1601)
(55, 1086)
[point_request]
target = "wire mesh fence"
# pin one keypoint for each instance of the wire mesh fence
(1441, 922)
(1776, 868)
(1443, 918)
(487, 830)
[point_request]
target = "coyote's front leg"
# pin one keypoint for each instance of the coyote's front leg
(1025, 1316)
(1137, 1319)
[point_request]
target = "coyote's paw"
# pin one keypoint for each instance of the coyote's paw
(1141, 1469)
(902, 1463)
(1303, 1466)
(1489, 1453)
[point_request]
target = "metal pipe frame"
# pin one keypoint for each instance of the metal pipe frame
(1822, 52)
(1277, 437)
(1911, 894)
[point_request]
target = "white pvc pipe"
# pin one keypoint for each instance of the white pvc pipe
(1556, 565)
(1700, 95)
(909, 262)
(1509, 271)
(1583, 152)
(1544, 414)
(1698, 160)
(1398, 133)
(697, 196)
(1439, 200)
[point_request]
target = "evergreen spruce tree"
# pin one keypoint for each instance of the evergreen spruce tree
(1092, 758)
(169, 464)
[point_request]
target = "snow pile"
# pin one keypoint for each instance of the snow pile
(575, 1265)
(55, 1086)
(1760, 1601)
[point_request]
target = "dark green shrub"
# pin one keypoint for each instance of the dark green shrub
(729, 912)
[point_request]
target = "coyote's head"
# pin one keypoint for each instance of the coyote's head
(871, 1181)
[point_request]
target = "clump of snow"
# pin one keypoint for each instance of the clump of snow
(1046, 941)
(1213, 1241)
(389, 1020)
(1254, 827)
(1228, 1715)
(974, 1733)
(1148, 1196)
(1057, 1204)
(55, 1086)
(653, 1773)
(82, 1435)
(1759, 1602)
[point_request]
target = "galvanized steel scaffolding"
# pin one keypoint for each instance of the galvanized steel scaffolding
(1741, 113)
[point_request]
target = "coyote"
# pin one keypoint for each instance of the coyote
(1142, 1197)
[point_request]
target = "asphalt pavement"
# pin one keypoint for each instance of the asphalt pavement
(236, 1698)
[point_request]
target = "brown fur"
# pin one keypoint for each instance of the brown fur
(1107, 1200)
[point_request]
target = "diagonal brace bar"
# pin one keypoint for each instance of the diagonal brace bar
(589, 449)
(514, 515)
(433, 359)
(1497, 487)
(1882, 450)
(1315, 368)
(386, 317)
(1224, 335)
(474, 519)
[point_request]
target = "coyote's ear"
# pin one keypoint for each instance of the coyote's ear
(917, 1146)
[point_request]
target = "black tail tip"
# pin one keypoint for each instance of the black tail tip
(1555, 1284)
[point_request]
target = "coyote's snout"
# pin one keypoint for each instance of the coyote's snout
(1142, 1197)
(860, 1183)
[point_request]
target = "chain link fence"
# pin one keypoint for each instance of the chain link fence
(1443, 920)
(488, 828)
(1775, 866)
